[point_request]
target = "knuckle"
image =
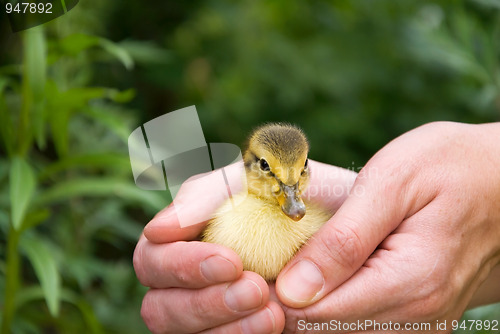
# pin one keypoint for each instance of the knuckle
(150, 313)
(137, 261)
(434, 301)
(198, 307)
(343, 246)
(162, 314)
(428, 308)
(292, 320)
(202, 306)
(181, 268)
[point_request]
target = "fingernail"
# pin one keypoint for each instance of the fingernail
(259, 322)
(302, 282)
(243, 295)
(218, 269)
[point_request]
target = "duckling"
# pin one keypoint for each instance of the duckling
(272, 220)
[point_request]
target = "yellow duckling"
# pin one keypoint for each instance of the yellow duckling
(271, 221)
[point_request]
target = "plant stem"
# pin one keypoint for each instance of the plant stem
(11, 280)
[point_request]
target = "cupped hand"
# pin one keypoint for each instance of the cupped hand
(416, 238)
(197, 286)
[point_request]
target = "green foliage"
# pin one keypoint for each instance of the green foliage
(72, 212)
(33, 89)
(22, 187)
(354, 74)
(46, 270)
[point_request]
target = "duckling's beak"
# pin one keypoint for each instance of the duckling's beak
(291, 203)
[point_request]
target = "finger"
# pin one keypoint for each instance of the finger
(373, 209)
(193, 310)
(366, 296)
(329, 185)
(196, 201)
(268, 320)
(400, 283)
(185, 218)
(184, 264)
(164, 227)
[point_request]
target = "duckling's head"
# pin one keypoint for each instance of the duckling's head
(276, 166)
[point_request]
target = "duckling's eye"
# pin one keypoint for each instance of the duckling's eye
(264, 165)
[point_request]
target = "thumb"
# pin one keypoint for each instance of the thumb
(371, 212)
(196, 201)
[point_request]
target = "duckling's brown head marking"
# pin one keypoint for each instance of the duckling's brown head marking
(276, 166)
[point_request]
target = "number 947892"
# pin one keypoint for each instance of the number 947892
(29, 7)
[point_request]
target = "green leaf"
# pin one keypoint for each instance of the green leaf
(62, 104)
(44, 264)
(75, 43)
(32, 293)
(28, 294)
(34, 218)
(87, 311)
(121, 96)
(108, 160)
(4, 81)
(146, 52)
(22, 188)
(492, 4)
(34, 77)
(112, 117)
(11, 69)
(97, 187)
(78, 97)
(34, 61)
(117, 51)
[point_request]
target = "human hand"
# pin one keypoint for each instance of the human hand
(197, 286)
(417, 236)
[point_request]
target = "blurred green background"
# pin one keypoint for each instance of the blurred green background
(352, 74)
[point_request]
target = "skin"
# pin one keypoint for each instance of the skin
(416, 239)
